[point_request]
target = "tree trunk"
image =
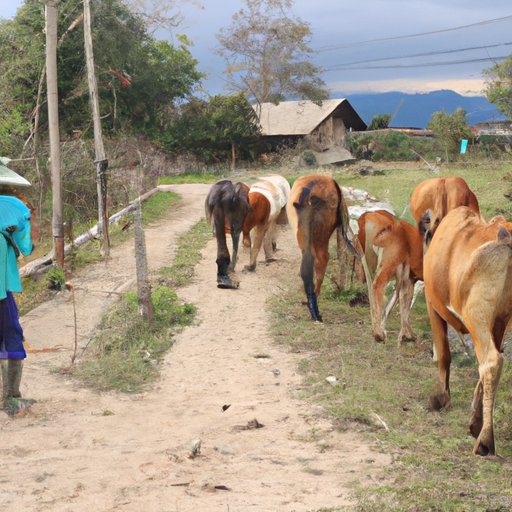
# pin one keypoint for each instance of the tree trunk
(53, 128)
(233, 156)
(101, 162)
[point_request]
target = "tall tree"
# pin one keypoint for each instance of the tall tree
(499, 87)
(268, 53)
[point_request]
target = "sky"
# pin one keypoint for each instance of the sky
(412, 46)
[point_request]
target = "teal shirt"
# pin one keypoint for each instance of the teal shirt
(15, 213)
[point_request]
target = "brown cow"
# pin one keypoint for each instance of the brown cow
(392, 249)
(316, 208)
(468, 285)
(439, 196)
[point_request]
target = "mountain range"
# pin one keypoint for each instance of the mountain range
(415, 110)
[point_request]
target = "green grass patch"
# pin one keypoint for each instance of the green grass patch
(187, 255)
(127, 348)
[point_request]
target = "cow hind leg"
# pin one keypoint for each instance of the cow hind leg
(440, 397)
(269, 243)
(490, 372)
(477, 421)
(259, 235)
(405, 294)
(382, 277)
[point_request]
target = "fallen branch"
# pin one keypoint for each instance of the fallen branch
(42, 264)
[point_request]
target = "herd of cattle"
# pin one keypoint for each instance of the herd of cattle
(464, 261)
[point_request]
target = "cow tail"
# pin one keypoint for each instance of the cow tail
(343, 222)
(305, 211)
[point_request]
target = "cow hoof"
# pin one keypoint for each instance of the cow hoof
(406, 338)
(225, 282)
(379, 338)
(438, 401)
(249, 268)
(484, 448)
(269, 260)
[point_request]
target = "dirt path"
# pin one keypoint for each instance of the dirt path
(79, 451)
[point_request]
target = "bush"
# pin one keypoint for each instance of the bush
(389, 145)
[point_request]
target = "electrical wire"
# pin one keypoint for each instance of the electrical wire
(419, 34)
(423, 65)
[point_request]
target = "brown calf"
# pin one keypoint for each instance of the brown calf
(392, 249)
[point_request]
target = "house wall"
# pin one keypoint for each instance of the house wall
(331, 132)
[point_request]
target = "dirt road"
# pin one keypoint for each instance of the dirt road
(80, 451)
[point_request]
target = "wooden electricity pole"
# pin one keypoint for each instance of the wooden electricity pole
(53, 128)
(100, 159)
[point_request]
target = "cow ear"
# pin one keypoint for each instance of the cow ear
(503, 234)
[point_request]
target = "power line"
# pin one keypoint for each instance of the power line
(419, 34)
(426, 54)
(423, 65)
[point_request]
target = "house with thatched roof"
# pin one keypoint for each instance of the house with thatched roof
(321, 128)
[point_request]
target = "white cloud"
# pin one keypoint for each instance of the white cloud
(469, 87)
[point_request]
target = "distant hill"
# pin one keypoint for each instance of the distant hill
(415, 110)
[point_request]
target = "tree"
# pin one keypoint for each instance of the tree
(233, 122)
(214, 129)
(380, 121)
(450, 129)
(499, 87)
(139, 77)
(267, 53)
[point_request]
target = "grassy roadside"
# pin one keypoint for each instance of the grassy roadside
(126, 350)
(382, 389)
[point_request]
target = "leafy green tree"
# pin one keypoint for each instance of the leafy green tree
(499, 87)
(268, 52)
(139, 77)
(380, 121)
(215, 129)
(450, 129)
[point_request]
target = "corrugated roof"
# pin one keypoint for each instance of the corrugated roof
(298, 117)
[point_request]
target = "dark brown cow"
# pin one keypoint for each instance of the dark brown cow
(468, 285)
(226, 204)
(316, 208)
(392, 249)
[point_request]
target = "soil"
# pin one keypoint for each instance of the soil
(222, 429)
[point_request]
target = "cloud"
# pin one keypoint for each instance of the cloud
(470, 87)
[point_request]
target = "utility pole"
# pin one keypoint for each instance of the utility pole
(53, 128)
(100, 159)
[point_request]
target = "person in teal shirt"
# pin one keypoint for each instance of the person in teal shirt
(15, 239)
